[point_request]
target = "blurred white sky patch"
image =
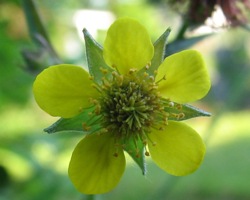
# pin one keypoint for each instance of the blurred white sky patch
(218, 19)
(92, 20)
(215, 23)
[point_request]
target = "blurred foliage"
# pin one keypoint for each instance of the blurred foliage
(14, 82)
(33, 165)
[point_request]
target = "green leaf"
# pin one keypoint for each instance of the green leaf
(179, 112)
(95, 59)
(38, 60)
(45, 55)
(73, 124)
(159, 51)
(34, 21)
(132, 150)
(179, 45)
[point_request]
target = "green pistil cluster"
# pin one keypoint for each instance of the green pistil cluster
(131, 106)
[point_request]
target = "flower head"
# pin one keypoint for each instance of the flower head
(130, 108)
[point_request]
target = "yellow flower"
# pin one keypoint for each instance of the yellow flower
(129, 104)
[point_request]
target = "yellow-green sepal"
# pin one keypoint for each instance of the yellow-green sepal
(137, 153)
(181, 112)
(159, 53)
(96, 63)
(74, 124)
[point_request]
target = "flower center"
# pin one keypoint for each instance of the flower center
(130, 106)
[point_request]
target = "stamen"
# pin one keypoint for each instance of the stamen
(98, 109)
(97, 87)
(171, 104)
(85, 127)
(80, 109)
(115, 67)
(132, 71)
(137, 153)
(180, 116)
(179, 106)
(105, 82)
(145, 74)
(146, 151)
(104, 71)
(163, 78)
(129, 107)
(152, 142)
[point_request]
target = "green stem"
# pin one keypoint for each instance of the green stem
(89, 197)
(182, 30)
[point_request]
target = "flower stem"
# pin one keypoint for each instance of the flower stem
(182, 30)
(89, 197)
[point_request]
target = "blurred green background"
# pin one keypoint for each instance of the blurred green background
(33, 164)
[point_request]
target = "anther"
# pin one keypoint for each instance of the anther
(179, 106)
(137, 153)
(180, 116)
(114, 66)
(151, 78)
(85, 127)
(106, 82)
(163, 78)
(171, 104)
(97, 109)
(97, 87)
(80, 109)
(102, 131)
(132, 70)
(114, 73)
(104, 71)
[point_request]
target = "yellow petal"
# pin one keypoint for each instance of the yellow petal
(63, 90)
(186, 77)
(179, 150)
(127, 45)
(93, 168)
